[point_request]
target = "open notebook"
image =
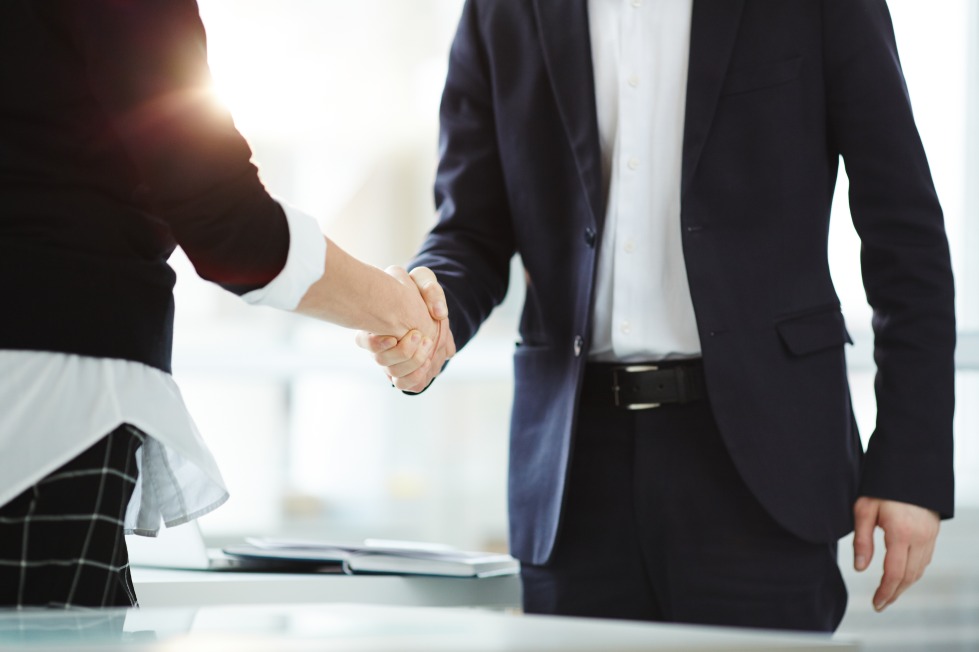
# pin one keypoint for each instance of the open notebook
(381, 556)
(182, 548)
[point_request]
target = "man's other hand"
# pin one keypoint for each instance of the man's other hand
(910, 532)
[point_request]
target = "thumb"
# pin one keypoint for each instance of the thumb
(865, 513)
(398, 273)
(431, 291)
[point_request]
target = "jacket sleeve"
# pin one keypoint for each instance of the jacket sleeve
(904, 256)
(146, 66)
(471, 245)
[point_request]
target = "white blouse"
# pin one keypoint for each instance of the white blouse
(53, 406)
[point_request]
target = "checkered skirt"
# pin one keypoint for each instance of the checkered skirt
(61, 541)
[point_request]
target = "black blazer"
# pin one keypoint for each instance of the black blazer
(777, 93)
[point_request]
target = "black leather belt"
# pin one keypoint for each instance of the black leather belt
(643, 386)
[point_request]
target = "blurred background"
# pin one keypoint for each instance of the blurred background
(339, 101)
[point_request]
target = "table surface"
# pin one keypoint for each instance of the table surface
(371, 628)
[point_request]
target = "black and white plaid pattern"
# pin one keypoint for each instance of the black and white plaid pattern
(62, 542)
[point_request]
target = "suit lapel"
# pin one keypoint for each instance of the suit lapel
(563, 29)
(712, 34)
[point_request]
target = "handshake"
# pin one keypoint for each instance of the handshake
(413, 359)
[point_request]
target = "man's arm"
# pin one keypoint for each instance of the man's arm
(907, 475)
(473, 242)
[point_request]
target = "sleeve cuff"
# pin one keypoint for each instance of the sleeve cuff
(304, 264)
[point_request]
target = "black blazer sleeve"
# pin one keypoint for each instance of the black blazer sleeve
(146, 65)
(472, 244)
(905, 257)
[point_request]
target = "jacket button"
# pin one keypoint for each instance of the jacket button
(579, 344)
(590, 237)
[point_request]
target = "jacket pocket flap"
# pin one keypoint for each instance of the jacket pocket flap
(759, 77)
(814, 332)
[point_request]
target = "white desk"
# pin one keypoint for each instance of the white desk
(173, 588)
(367, 628)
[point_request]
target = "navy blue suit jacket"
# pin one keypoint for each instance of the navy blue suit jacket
(777, 93)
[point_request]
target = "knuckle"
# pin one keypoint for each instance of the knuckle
(919, 573)
(406, 383)
(865, 517)
(903, 532)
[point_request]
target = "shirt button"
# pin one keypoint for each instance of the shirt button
(579, 344)
(636, 3)
(633, 164)
(626, 328)
(634, 81)
(629, 246)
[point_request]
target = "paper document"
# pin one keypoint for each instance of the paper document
(381, 556)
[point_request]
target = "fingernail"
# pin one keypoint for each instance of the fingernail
(440, 310)
(415, 338)
(427, 344)
(879, 606)
(859, 562)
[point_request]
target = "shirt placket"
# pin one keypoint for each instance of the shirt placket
(630, 166)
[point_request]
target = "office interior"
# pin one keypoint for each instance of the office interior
(339, 102)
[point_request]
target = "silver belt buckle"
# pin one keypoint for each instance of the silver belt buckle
(615, 387)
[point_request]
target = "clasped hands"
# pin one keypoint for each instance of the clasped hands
(412, 362)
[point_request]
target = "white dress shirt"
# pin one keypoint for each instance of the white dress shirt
(640, 51)
(53, 406)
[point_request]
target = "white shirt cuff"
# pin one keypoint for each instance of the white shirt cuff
(304, 265)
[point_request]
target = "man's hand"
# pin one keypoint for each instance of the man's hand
(414, 361)
(909, 538)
